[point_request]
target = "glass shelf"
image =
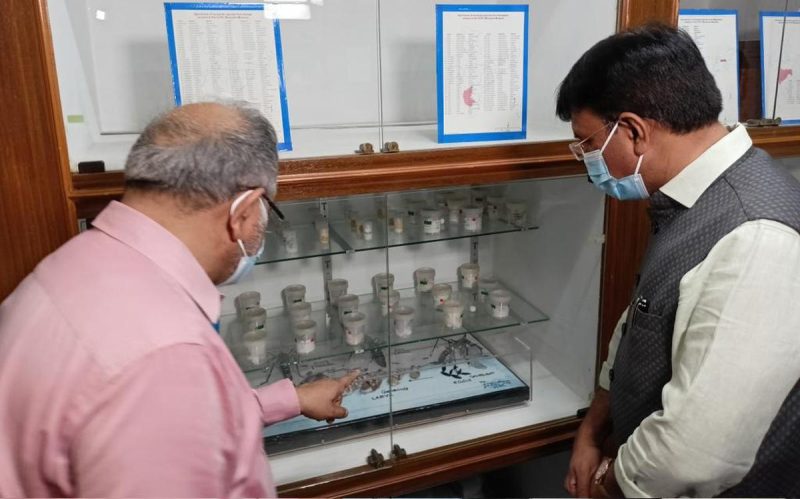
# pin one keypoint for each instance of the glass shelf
(308, 246)
(428, 325)
(413, 234)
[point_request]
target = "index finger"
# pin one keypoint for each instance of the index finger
(347, 379)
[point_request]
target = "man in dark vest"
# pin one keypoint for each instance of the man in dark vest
(699, 395)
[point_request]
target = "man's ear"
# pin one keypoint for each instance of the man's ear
(245, 212)
(639, 130)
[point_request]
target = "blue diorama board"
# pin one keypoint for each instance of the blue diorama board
(428, 380)
(229, 51)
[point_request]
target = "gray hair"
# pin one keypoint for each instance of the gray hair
(205, 161)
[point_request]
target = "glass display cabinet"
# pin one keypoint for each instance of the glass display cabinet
(475, 283)
(478, 302)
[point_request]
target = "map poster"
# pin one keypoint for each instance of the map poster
(482, 72)
(222, 51)
(780, 66)
(715, 33)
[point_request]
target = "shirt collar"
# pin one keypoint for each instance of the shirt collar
(687, 186)
(146, 236)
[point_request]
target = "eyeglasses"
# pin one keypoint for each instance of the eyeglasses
(270, 204)
(274, 207)
(577, 147)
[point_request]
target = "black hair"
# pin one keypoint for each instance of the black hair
(655, 71)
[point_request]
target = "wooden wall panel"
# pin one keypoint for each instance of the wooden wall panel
(35, 217)
(627, 224)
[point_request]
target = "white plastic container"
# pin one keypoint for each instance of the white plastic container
(485, 286)
(254, 319)
(255, 344)
(455, 204)
(468, 274)
(441, 293)
(355, 327)
(396, 222)
(382, 282)
(389, 300)
(431, 221)
(414, 211)
(335, 289)
(294, 293)
(289, 236)
(402, 321)
(299, 311)
(347, 304)
(305, 336)
(494, 207)
(246, 301)
(367, 229)
(424, 279)
(453, 314)
(473, 218)
(323, 230)
(499, 300)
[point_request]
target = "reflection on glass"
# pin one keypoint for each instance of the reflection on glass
(114, 73)
(768, 53)
(409, 65)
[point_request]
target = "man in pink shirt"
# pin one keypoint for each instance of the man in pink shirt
(113, 380)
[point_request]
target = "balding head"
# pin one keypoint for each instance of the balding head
(204, 154)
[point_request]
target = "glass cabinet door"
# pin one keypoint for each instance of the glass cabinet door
(450, 70)
(312, 309)
(118, 63)
(467, 307)
(496, 324)
(752, 49)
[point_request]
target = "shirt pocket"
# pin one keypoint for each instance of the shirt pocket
(646, 345)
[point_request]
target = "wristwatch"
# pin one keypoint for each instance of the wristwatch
(601, 473)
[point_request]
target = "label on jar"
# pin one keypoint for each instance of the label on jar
(432, 226)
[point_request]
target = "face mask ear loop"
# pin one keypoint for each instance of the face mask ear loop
(241, 245)
(639, 164)
(608, 139)
(236, 203)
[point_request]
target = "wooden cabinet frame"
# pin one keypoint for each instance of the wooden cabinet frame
(40, 202)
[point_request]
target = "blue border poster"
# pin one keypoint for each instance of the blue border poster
(780, 66)
(229, 51)
(715, 31)
(482, 72)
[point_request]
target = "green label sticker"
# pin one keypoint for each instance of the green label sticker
(74, 118)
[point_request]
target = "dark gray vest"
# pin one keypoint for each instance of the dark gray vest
(753, 188)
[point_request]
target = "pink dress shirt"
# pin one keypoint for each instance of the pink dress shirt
(113, 381)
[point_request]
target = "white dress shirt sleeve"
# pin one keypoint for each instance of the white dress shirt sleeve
(734, 360)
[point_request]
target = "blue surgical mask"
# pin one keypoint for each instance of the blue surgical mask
(246, 262)
(625, 188)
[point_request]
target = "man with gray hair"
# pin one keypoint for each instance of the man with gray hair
(113, 381)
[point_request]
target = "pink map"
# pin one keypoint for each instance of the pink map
(468, 100)
(783, 74)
